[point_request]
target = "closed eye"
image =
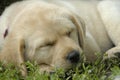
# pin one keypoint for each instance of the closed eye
(69, 32)
(48, 44)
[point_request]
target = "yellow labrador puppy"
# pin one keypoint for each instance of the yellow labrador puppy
(53, 35)
(41, 32)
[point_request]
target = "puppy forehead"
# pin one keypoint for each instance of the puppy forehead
(56, 22)
(46, 18)
(56, 18)
(60, 23)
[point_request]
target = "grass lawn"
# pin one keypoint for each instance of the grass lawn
(99, 70)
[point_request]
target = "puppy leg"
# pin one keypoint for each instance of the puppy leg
(109, 12)
(113, 53)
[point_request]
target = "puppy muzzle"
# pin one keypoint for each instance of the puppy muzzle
(73, 57)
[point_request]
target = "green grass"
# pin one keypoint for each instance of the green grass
(99, 70)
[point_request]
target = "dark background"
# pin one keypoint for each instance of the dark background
(5, 3)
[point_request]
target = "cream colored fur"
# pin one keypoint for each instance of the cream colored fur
(102, 23)
(39, 32)
(110, 13)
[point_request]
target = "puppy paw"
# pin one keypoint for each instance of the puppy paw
(112, 53)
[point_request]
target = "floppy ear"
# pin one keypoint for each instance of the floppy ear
(78, 21)
(80, 25)
(13, 52)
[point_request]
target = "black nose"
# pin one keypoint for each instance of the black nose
(73, 56)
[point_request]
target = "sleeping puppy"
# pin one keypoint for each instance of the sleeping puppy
(47, 34)
(54, 36)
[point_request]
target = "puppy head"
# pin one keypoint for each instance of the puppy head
(58, 40)
(53, 36)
